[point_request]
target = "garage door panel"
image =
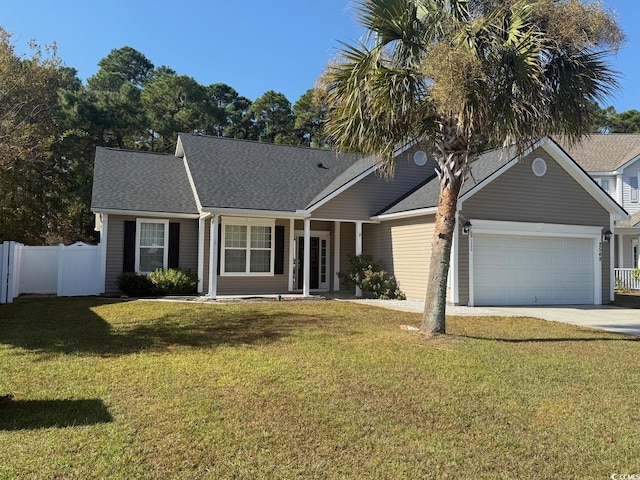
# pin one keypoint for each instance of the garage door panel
(519, 270)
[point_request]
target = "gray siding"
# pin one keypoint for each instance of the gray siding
(188, 258)
(519, 196)
(403, 248)
(373, 193)
(348, 245)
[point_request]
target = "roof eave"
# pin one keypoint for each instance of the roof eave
(248, 212)
(419, 212)
(143, 213)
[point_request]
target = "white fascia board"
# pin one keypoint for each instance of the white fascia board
(407, 214)
(191, 183)
(585, 181)
(496, 227)
(142, 213)
(612, 173)
(405, 147)
(343, 188)
(343, 220)
(246, 212)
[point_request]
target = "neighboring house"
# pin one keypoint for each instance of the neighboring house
(249, 217)
(613, 160)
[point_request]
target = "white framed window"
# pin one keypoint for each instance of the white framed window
(152, 244)
(633, 188)
(247, 246)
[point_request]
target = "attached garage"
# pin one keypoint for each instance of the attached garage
(534, 264)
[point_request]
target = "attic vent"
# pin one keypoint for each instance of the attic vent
(320, 165)
(539, 167)
(420, 158)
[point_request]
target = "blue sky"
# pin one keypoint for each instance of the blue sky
(252, 45)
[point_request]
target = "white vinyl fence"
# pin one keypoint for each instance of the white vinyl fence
(65, 271)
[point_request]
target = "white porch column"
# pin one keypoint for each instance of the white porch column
(453, 264)
(637, 252)
(213, 258)
(307, 258)
(336, 256)
(202, 225)
(292, 235)
(612, 260)
(358, 250)
(104, 230)
(620, 250)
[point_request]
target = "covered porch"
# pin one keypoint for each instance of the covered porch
(627, 261)
(254, 254)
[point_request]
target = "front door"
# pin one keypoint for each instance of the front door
(319, 262)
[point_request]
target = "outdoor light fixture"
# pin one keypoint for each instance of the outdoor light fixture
(606, 236)
(466, 228)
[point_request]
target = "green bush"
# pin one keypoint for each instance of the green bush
(174, 281)
(373, 281)
(135, 285)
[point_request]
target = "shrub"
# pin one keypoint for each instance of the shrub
(174, 281)
(373, 281)
(135, 285)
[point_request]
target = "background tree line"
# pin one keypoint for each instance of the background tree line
(51, 123)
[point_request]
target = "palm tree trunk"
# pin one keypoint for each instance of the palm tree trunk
(433, 319)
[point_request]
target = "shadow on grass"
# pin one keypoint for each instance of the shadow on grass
(71, 326)
(35, 414)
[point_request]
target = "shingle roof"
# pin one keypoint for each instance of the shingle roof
(140, 181)
(230, 173)
(426, 195)
(603, 152)
(632, 221)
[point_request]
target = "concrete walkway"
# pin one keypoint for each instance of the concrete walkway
(604, 317)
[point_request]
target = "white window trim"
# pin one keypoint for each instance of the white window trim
(247, 222)
(165, 259)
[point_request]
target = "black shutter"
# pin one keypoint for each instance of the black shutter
(129, 252)
(219, 246)
(278, 267)
(174, 245)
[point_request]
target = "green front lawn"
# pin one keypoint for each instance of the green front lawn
(315, 389)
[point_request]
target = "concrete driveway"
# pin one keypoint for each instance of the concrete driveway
(605, 317)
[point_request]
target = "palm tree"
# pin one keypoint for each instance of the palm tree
(459, 77)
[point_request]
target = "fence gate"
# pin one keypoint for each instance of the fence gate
(58, 270)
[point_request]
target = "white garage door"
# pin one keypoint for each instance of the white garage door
(518, 270)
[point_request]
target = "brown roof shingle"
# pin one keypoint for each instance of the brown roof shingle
(603, 152)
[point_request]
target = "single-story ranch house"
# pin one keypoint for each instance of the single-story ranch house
(255, 218)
